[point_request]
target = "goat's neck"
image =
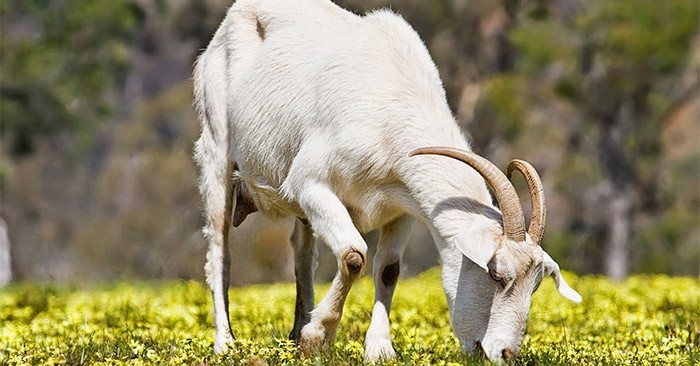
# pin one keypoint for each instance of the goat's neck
(453, 200)
(449, 195)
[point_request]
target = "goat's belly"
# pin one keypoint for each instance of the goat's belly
(367, 221)
(367, 213)
(270, 202)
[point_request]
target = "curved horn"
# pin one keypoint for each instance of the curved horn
(534, 185)
(507, 197)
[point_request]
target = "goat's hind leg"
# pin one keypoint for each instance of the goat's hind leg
(217, 271)
(304, 245)
(216, 188)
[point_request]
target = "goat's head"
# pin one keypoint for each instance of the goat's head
(500, 269)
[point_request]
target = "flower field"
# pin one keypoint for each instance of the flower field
(647, 320)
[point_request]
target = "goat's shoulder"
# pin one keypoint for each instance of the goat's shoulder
(394, 29)
(403, 47)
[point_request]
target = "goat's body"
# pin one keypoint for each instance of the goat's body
(321, 88)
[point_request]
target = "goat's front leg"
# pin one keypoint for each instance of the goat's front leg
(304, 265)
(387, 263)
(331, 222)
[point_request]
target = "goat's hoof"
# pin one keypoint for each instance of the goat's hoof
(311, 340)
(380, 349)
(354, 262)
(295, 335)
(223, 344)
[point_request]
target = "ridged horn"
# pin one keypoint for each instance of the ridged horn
(534, 185)
(507, 197)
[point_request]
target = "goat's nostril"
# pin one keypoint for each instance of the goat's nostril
(508, 354)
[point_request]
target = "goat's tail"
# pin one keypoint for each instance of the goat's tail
(235, 42)
(212, 149)
(237, 38)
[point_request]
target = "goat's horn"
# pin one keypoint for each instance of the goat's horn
(534, 185)
(507, 197)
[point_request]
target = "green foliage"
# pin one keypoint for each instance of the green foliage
(644, 321)
(636, 34)
(544, 44)
(56, 72)
(670, 243)
(507, 95)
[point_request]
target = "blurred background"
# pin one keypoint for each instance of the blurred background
(96, 132)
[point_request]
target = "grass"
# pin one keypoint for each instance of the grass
(647, 320)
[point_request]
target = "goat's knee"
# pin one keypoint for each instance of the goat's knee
(353, 263)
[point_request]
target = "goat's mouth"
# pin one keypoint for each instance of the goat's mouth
(497, 352)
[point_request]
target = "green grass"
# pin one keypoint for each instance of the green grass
(647, 320)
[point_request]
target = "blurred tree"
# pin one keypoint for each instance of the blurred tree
(618, 64)
(5, 259)
(60, 61)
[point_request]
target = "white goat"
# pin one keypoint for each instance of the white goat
(311, 111)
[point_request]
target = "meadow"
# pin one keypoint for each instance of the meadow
(646, 320)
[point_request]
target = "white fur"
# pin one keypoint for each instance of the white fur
(318, 108)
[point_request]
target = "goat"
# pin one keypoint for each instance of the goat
(311, 111)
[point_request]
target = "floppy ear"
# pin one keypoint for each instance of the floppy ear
(477, 245)
(551, 268)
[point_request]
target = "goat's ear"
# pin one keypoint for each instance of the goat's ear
(477, 245)
(551, 268)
